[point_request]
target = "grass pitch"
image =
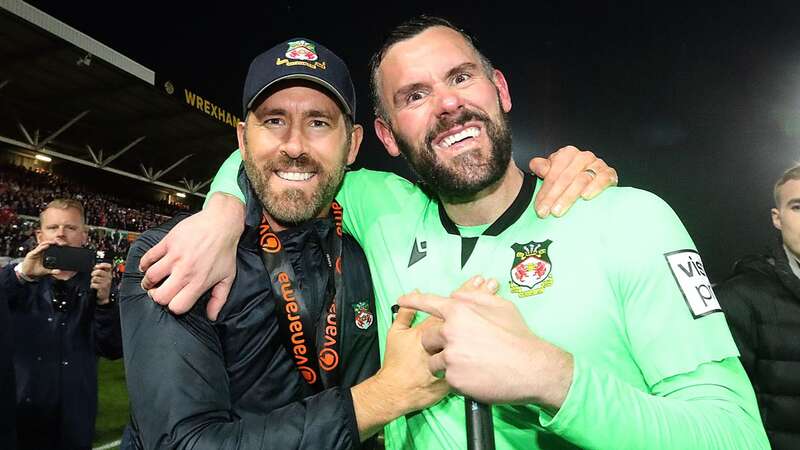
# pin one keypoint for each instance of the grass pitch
(112, 399)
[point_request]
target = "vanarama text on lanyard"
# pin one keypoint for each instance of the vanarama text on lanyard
(314, 347)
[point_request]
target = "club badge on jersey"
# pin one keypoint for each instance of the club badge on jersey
(531, 269)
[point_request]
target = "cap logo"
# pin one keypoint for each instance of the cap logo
(301, 53)
(302, 50)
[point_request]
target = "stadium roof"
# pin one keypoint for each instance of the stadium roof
(68, 96)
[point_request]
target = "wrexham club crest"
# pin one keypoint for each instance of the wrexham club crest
(301, 50)
(364, 317)
(530, 272)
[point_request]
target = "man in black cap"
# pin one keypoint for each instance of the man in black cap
(289, 361)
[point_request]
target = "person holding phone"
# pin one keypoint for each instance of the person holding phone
(61, 321)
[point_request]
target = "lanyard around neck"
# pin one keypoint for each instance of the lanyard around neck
(313, 345)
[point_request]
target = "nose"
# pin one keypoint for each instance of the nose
(292, 145)
(61, 236)
(449, 100)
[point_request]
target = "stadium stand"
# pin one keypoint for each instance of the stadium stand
(65, 96)
(69, 99)
(26, 191)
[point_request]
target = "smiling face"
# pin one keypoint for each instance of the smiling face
(295, 145)
(445, 113)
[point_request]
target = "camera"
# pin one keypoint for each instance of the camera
(77, 259)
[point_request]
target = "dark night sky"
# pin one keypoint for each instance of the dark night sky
(697, 103)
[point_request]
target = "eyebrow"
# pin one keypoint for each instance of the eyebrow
(793, 201)
(464, 67)
(306, 114)
(272, 112)
(405, 90)
(318, 113)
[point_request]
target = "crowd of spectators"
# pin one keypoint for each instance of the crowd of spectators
(27, 191)
(16, 235)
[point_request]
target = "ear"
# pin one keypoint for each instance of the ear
(241, 128)
(355, 143)
(38, 236)
(384, 132)
(776, 218)
(502, 90)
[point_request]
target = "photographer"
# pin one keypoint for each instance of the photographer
(61, 322)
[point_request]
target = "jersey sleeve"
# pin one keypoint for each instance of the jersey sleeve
(711, 407)
(671, 316)
(226, 179)
(369, 197)
(697, 395)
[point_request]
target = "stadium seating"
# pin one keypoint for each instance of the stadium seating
(25, 192)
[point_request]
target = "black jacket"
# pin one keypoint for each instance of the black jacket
(231, 384)
(8, 387)
(762, 304)
(55, 358)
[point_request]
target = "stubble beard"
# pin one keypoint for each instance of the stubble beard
(467, 174)
(293, 206)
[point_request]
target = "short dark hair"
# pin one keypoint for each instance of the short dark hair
(405, 31)
(792, 173)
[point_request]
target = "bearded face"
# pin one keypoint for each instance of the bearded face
(295, 146)
(462, 176)
(292, 205)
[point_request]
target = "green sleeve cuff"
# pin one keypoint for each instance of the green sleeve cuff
(226, 179)
(712, 407)
(572, 403)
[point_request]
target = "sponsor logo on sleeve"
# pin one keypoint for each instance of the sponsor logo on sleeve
(689, 273)
(531, 269)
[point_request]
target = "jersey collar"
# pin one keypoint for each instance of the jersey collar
(509, 217)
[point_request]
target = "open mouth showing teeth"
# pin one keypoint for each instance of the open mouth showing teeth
(294, 176)
(471, 132)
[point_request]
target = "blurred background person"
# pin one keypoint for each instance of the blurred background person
(60, 323)
(761, 301)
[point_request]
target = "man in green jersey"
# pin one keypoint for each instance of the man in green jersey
(605, 334)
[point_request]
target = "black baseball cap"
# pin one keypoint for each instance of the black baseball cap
(303, 59)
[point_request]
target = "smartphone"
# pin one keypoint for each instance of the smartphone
(77, 259)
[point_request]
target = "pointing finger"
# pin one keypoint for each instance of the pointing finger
(429, 303)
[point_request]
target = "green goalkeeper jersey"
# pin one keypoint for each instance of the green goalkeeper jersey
(616, 282)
